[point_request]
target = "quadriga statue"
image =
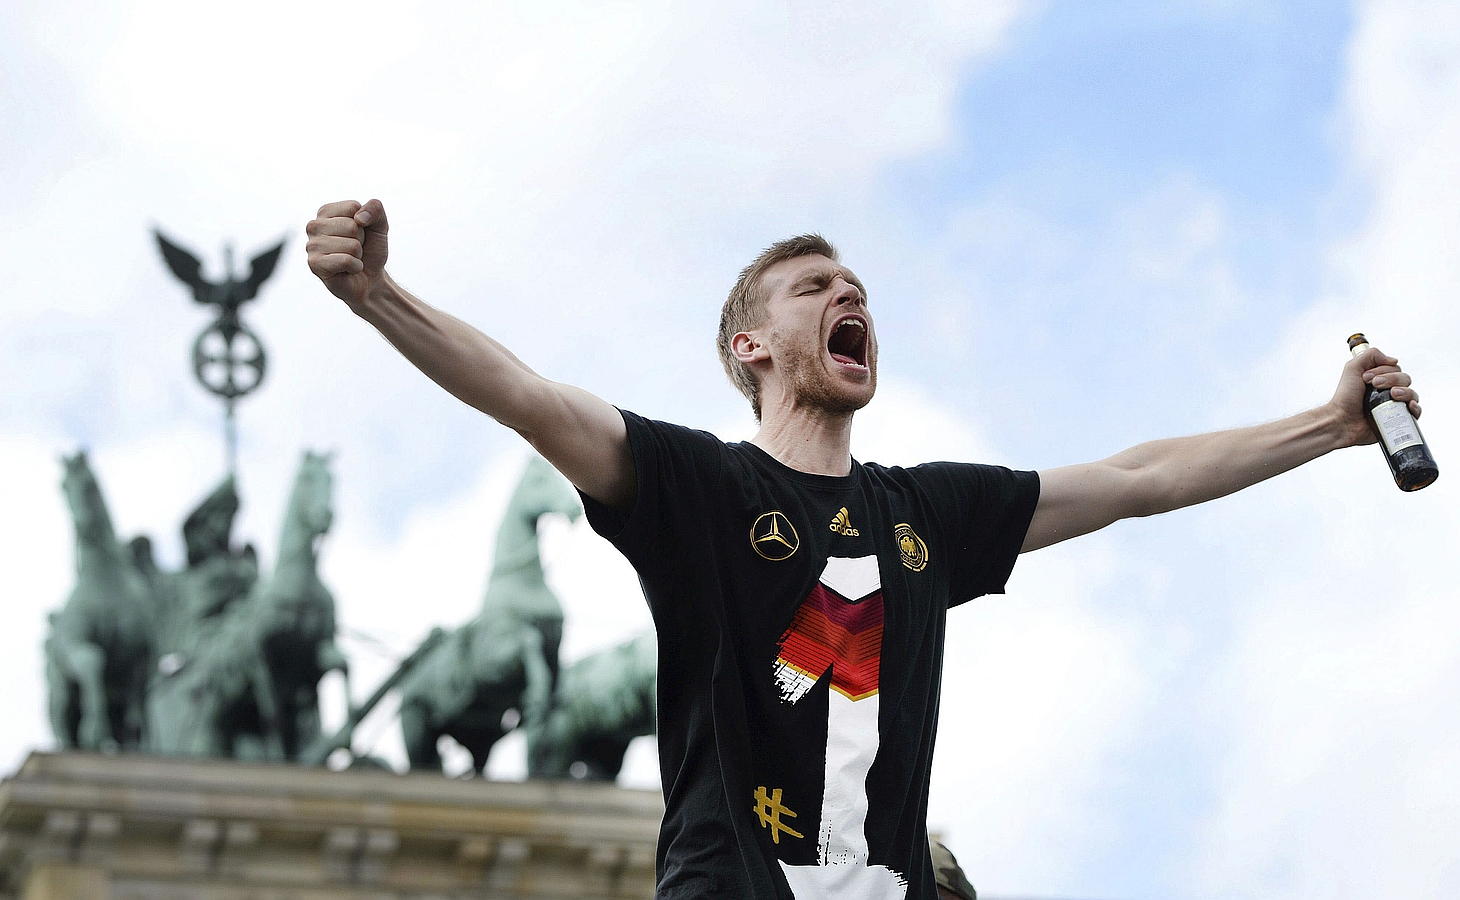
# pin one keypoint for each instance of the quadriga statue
(506, 658)
(603, 702)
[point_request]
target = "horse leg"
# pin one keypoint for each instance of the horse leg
(250, 748)
(261, 687)
(306, 717)
(419, 737)
(605, 757)
(61, 701)
(124, 720)
(537, 689)
(479, 759)
(552, 640)
(135, 714)
(478, 738)
(328, 658)
(87, 665)
(547, 747)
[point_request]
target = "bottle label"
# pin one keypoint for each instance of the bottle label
(1396, 426)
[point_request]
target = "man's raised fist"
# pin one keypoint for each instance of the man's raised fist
(347, 247)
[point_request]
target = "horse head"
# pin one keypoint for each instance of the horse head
(309, 503)
(83, 496)
(543, 491)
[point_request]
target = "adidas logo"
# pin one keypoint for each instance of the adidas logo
(841, 523)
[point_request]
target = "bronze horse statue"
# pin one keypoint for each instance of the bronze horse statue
(603, 702)
(99, 653)
(506, 658)
(296, 612)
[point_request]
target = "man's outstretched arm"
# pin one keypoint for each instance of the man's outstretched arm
(1160, 476)
(581, 435)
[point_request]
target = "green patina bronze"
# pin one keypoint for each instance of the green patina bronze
(210, 660)
(99, 651)
(240, 675)
(211, 693)
(219, 659)
(504, 660)
(296, 612)
(603, 702)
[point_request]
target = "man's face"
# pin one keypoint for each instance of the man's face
(818, 332)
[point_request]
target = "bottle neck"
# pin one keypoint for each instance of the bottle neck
(1359, 348)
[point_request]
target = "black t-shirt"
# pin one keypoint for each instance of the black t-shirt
(800, 621)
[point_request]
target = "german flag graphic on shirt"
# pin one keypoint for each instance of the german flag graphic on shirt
(838, 629)
(831, 631)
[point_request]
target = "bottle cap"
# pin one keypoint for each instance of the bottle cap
(1355, 339)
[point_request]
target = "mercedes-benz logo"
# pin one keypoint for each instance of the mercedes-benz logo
(774, 537)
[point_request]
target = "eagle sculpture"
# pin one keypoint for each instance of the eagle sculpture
(230, 292)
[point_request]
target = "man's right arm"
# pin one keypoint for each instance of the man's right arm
(580, 434)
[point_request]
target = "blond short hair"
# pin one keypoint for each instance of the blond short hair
(745, 307)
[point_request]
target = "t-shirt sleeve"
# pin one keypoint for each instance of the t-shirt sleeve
(984, 512)
(675, 470)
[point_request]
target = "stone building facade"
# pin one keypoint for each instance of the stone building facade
(79, 826)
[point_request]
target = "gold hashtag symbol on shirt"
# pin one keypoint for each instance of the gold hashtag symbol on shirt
(770, 810)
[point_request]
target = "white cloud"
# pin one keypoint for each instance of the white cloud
(1334, 710)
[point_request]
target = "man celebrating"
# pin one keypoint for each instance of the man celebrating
(800, 595)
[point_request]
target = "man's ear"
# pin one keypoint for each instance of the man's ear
(747, 348)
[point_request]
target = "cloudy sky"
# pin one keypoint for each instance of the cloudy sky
(1083, 225)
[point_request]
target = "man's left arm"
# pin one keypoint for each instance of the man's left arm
(1163, 475)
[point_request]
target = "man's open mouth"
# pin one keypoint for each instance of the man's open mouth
(848, 342)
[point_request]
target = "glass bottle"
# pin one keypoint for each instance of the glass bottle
(1404, 446)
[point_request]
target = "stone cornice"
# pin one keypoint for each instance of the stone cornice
(186, 828)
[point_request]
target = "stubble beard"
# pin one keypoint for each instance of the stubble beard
(814, 387)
